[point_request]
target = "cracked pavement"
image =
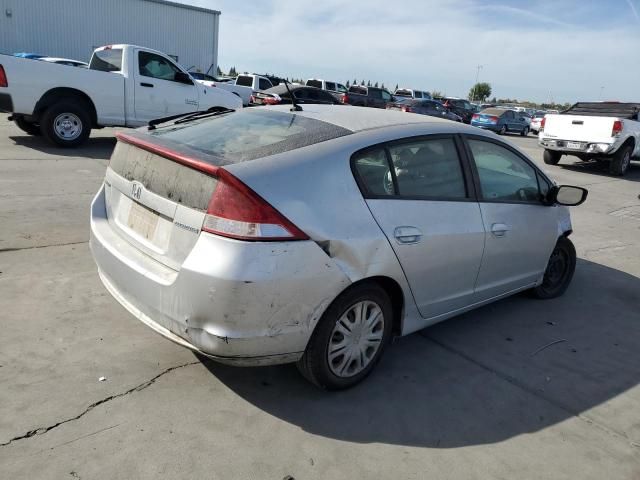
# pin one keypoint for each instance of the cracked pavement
(463, 399)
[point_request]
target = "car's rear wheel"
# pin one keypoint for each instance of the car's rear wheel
(27, 127)
(66, 123)
(550, 157)
(349, 338)
(559, 271)
(621, 161)
(503, 130)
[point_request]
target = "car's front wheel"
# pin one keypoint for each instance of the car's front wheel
(503, 130)
(525, 131)
(349, 338)
(559, 271)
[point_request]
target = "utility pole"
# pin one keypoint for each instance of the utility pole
(475, 86)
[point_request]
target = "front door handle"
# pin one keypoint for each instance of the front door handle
(407, 235)
(148, 85)
(499, 229)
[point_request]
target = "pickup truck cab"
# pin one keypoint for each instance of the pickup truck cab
(254, 82)
(411, 93)
(593, 131)
(362, 96)
(125, 85)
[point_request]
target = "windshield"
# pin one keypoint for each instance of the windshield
(250, 134)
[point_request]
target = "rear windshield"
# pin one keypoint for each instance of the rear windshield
(314, 83)
(250, 134)
(244, 81)
(493, 111)
(109, 60)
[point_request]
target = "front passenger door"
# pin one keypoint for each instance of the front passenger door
(521, 231)
(157, 93)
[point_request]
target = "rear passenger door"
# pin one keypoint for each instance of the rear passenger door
(521, 231)
(420, 194)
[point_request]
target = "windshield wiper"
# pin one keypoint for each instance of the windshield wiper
(187, 117)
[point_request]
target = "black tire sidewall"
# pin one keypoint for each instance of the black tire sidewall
(550, 157)
(617, 167)
(75, 107)
(545, 292)
(314, 364)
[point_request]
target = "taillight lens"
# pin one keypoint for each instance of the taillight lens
(493, 119)
(475, 116)
(3, 78)
(344, 98)
(617, 128)
(542, 122)
(236, 211)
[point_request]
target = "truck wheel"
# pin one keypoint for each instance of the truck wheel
(66, 123)
(349, 339)
(621, 160)
(559, 272)
(27, 127)
(551, 158)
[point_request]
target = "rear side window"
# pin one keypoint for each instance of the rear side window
(264, 84)
(331, 86)
(249, 134)
(374, 173)
(107, 60)
(314, 83)
(428, 168)
(417, 94)
(244, 81)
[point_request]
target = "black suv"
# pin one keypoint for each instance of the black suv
(459, 106)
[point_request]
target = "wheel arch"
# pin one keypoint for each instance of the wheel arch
(58, 93)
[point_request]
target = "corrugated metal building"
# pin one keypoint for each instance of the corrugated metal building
(73, 28)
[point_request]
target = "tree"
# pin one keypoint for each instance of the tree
(480, 91)
(376, 85)
(368, 83)
(219, 72)
(355, 82)
(437, 94)
(396, 87)
(362, 82)
(232, 72)
(382, 86)
(348, 84)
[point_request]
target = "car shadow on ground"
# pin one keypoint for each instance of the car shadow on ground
(94, 147)
(602, 169)
(480, 378)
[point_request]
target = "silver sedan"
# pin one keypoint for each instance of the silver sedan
(269, 236)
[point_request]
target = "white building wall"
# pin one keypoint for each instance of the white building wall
(72, 28)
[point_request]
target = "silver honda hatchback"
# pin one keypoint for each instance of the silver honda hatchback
(268, 236)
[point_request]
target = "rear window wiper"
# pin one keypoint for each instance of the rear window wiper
(187, 117)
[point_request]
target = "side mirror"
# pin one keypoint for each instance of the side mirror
(567, 195)
(183, 78)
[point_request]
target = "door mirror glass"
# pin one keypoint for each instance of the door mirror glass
(570, 196)
(183, 78)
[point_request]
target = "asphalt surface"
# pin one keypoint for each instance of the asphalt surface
(474, 397)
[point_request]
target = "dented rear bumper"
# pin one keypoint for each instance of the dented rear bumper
(243, 303)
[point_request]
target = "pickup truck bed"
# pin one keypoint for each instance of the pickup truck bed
(603, 131)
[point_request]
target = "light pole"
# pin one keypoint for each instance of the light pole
(475, 86)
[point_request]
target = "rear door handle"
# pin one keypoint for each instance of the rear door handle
(499, 229)
(407, 235)
(149, 85)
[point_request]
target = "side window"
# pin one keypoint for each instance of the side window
(373, 93)
(341, 88)
(155, 66)
(428, 168)
(386, 96)
(331, 86)
(264, 84)
(373, 171)
(509, 115)
(417, 94)
(504, 176)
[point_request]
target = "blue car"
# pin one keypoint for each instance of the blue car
(32, 56)
(501, 121)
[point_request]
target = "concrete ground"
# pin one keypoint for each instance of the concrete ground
(469, 398)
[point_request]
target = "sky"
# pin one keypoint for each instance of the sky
(539, 50)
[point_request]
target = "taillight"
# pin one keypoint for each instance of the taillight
(407, 109)
(271, 100)
(344, 98)
(542, 122)
(493, 119)
(617, 128)
(236, 211)
(475, 116)
(3, 78)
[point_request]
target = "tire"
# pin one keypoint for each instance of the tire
(503, 130)
(559, 271)
(525, 131)
(66, 123)
(551, 158)
(27, 127)
(621, 160)
(316, 366)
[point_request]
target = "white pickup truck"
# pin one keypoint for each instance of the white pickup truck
(125, 85)
(593, 131)
(229, 85)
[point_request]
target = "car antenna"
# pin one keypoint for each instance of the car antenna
(295, 107)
